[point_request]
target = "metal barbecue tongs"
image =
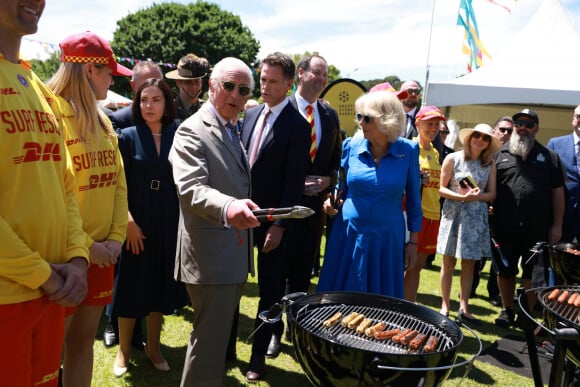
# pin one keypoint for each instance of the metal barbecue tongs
(270, 316)
(295, 212)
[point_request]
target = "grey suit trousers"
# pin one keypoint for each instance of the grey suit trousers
(214, 307)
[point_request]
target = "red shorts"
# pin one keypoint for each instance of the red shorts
(427, 241)
(32, 335)
(100, 293)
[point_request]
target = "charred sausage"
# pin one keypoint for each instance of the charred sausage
(408, 337)
(384, 335)
(399, 336)
(417, 341)
(431, 344)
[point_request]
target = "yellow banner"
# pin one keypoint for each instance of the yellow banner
(341, 95)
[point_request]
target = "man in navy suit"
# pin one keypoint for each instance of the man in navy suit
(568, 149)
(304, 239)
(277, 141)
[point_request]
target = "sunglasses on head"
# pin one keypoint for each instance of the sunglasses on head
(506, 130)
(485, 137)
(364, 117)
(230, 86)
(414, 91)
(527, 124)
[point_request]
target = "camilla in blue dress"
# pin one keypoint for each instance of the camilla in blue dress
(366, 249)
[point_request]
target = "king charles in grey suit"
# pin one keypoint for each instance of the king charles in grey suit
(214, 246)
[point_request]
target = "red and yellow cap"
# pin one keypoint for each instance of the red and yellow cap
(429, 112)
(87, 47)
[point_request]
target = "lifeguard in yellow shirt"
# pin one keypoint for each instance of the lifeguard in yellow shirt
(427, 122)
(84, 76)
(43, 254)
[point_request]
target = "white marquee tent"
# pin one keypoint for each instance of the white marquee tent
(539, 69)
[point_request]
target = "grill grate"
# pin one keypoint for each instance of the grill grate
(311, 318)
(567, 312)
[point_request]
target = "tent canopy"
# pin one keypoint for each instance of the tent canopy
(539, 67)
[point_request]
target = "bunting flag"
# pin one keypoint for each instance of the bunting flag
(505, 4)
(472, 46)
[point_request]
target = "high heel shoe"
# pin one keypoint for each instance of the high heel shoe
(119, 371)
(162, 366)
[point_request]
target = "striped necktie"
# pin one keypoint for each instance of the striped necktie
(234, 131)
(310, 119)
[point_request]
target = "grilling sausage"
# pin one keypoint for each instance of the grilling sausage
(573, 298)
(378, 327)
(563, 296)
(552, 296)
(356, 321)
(408, 337)
(399, 336)
(384, 335)
(332, 320)
(363, 325)
(348, 319)
(417, 341)
(431, 344)
(577, 302)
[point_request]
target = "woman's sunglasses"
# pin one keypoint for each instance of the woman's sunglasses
(364, 117)
(485, 137)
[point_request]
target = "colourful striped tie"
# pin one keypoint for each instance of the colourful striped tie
(310, 119)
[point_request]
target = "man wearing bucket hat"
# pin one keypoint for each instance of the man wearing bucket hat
(188, 77)
(427, 121)
(529, 206)
(43, 255)
(468, 183)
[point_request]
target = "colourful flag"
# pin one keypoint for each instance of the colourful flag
(505, 4)
(472, 46)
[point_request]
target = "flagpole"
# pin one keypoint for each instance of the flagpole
(428, 56)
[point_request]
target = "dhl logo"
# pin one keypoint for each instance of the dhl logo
(37, 152)
(8, 91)
(100, 181)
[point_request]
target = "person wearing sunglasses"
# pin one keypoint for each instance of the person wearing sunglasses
(503, 129)
(214, 253)
(427, 122)
(411, 107)
(568, 149)
(529, 206)
(366, 249)
(467, 183)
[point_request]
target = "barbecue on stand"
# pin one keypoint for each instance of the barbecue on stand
(561, 321)
(338, 356)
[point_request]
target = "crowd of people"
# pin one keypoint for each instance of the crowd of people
(152, 208)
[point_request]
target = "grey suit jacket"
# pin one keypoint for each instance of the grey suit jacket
(208, 174)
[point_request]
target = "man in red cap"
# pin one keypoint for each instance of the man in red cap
(43, 257)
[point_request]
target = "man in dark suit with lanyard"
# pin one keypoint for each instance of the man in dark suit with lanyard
(568, 148)
(304, 239)
(411, 107)
(277, 141)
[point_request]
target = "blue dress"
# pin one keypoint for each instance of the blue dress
(365, 251)
(144, 283)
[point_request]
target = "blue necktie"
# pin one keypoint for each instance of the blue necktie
(577, 151)
(236, 139)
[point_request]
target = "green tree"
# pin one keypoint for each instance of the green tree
(45, 69)
(165, 32)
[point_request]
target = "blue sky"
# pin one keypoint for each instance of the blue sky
(364, 39)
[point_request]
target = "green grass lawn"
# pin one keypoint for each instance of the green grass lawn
(285, 370)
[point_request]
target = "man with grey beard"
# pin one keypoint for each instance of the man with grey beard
(528, 208)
